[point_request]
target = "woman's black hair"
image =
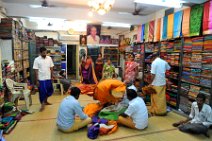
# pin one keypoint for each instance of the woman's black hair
(133, 55)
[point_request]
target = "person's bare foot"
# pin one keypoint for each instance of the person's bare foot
(42, 107)
(47, 103)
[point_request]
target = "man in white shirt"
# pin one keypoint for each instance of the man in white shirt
(136, 115)
(69, 109)
(43, 66)
(158, 70)
(200, 118)
(93, 38)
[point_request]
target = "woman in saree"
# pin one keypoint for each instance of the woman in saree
(99, 66)
(87, 72)
(131, 69)
(108, 70)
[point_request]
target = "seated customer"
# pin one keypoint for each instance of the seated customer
(136, 115)
(200, 118)
(65, 82)
(68, 110)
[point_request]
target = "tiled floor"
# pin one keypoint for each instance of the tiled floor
(41, 126)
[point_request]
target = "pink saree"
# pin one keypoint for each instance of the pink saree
(130, 71)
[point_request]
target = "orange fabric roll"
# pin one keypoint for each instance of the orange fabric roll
(104, 88)
(92, 108)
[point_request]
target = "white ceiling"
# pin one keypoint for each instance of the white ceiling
(78, 9)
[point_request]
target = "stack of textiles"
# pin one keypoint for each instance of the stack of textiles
(191, 75)
(184, 89)
(172, 88)
(186, 60)
(208, 43)
(170, 47)
(149, 48)
(148, 59)
(177, 45)
(156, 48)
(207, 61)
(196, 61)
(87, 88)
(187, 45)
(206, 78)
(207, 93)
(173, 99)
(197, 44)
(163, 46)
(193, 92)
(184, 106)
(172, 74)
(10, 117)
(112, 112)
(172, 58)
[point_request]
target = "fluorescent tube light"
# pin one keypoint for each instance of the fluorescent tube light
(165, 3)
(112, 24)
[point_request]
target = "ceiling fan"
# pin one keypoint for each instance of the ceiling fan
(44, 4)
(137, 11)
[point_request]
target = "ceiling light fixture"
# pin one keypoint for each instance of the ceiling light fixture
(165, 3)
(101, 6)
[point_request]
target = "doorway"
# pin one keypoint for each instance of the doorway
(71, 61)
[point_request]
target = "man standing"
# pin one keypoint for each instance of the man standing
(158, 81)
(43, 66)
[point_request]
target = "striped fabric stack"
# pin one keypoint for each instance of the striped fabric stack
(187, 45)
(177, 45)
(208, 43)
(197, 44)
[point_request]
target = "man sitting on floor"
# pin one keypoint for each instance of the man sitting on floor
(69, 108)
(136, 115)
(200, 118)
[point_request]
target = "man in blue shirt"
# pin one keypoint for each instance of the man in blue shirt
(69, 109)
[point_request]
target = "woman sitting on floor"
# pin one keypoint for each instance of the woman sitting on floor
(136, 115)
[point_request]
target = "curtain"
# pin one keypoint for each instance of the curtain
(157, 30)
(186, 21)
(196, 20)
(170, 26)
(177, 24)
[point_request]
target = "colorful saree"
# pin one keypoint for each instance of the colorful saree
(87, 73)
(146, 35)
(158, 101)
(186, 22)
(151, 30)
(99, 68)
(157, 30)
(142, 32)
(170, 26)
(177, 24)
(108, 71)
(207, 18)
(130, 71)
(103, 91)
(165, 22)
(196, 20)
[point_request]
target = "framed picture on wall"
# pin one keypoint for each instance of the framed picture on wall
(83, 40)
(105, 39)
(93, 34)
